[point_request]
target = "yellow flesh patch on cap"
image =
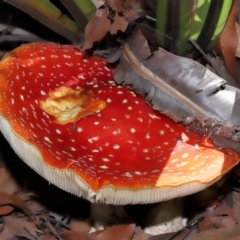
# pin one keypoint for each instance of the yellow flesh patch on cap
(70, 105)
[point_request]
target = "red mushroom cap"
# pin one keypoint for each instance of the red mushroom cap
(65, 117)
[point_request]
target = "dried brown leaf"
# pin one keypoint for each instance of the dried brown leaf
(228, 41)
(15, 201)
(139, 234)
(76, 235)
(96, 29)
(223, 216)
(116, 232)
(223, 221)
(133, 9)
(119, 24)
(237, 26)
(222, 209)
(236, 208)
(183, 234)
(49, 237)
(4, 210)
(113, 17)
(219, 234)
(219, 67)
(206, 224)
(98, 3)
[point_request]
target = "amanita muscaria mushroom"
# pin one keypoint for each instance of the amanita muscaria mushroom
(65, 117)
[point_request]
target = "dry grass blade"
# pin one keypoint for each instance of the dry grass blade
(51, 228)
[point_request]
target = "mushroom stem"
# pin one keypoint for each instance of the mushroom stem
(107, 214)
(166, 217)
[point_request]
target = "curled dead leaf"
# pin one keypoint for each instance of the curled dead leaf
(227, 43)
(4, 210)
(96, 29)
(237, 26)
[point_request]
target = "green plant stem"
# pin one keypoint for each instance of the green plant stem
(49, 15)
(87, 7)
(173, 25)
(81, 10)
